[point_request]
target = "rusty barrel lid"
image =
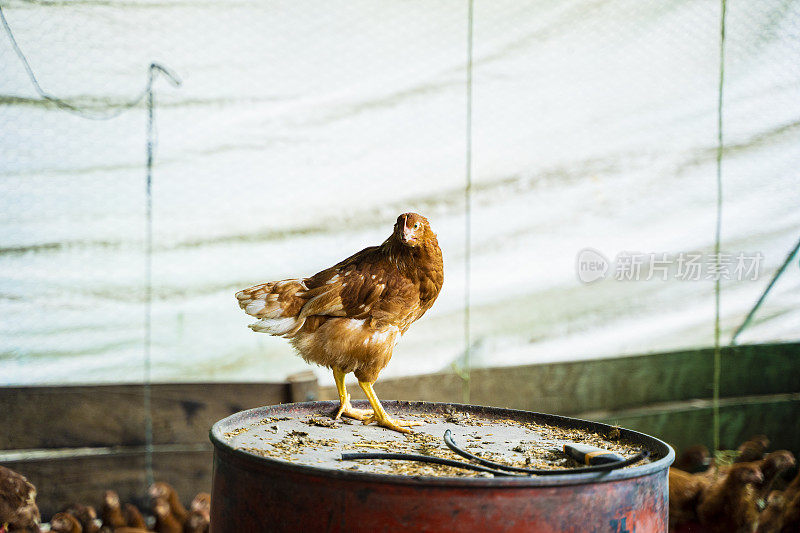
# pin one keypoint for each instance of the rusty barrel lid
(282, 464)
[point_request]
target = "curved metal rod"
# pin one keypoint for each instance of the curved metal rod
(425, 459)
(448, 439)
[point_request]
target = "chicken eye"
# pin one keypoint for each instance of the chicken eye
(416, 225)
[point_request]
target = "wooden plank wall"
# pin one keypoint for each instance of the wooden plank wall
(75, 442)
(666, 395)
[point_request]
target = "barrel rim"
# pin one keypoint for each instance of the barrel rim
(268, 463)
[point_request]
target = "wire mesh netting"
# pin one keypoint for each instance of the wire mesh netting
(302, 129)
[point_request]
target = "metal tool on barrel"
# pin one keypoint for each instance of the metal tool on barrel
(597, 459)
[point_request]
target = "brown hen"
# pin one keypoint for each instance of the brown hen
(166, 522)
(201, 504)
(350, 316)
(772, 466)
(752, 449)
(730, 504)
(18, 510)
(162, 491)
(111, 510)
(693, 459)
(65, 523)
(791, 516)
(793, 488)
(684, 494)
(133, 517)
(771, 518)
(86, 515)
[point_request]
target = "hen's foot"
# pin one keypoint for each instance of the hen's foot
(392, 423)
(349, 411)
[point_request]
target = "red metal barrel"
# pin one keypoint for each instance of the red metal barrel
(252, 492)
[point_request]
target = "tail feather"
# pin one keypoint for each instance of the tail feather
(276, 304)
(275, 326)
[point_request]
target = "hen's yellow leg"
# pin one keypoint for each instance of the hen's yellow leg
(380, 416)
(344, 400)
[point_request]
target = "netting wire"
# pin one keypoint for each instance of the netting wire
(718, 231)
(717, 245)
(466, 371)
(147, 94)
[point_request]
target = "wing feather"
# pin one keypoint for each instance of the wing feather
(364, 286)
